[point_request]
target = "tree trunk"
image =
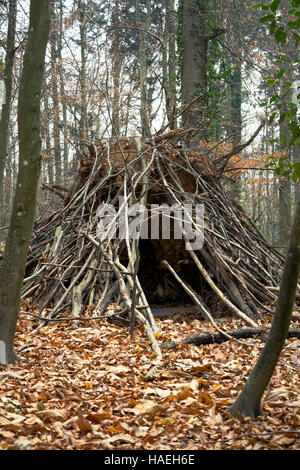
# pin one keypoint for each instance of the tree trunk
(249, 401)
(194, 62)
(22, 218)
(54, 95)
(62, 90)
(284, 187)
(143, 26)
(48, 150)
(116, 70)
(236, 123)
(8, 80)
(169, 62)
(83, 76)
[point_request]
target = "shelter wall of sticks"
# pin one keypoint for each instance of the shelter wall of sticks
(68, 264)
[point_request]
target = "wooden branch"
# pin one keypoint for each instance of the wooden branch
(223, 297)
(126, 297)
(196, 299)
(210, 338)
(78, 291)
(184, 110)
(80, 318)
(82, 270)
(52, 189)
(225, 158)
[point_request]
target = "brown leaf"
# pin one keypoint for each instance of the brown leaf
(10, 375)
(35, 423)
(172, 374)
(181, 395)
(51, 414)
(147, 407)
(4, 421)
(6, 434)
(83, 424)
(120, 437)
(118, 370)
(14, 426)
(98, 417)
(284, 440)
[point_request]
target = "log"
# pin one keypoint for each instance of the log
(210, 338)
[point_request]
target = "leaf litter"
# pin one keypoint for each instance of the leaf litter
(97, 388)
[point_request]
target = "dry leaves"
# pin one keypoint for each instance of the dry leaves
(95, 388)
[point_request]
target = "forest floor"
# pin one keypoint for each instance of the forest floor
(86, 387)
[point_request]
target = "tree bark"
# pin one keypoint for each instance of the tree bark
(53, 39)
(236, 124)
(249, 401)
(83, 72)
(61, 74)
(8, 80)
(22, 218)
(284, 187)
(143, 25)
(169, 62)
(116, 70)
(194, 44)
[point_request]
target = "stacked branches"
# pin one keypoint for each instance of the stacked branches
(69, 265)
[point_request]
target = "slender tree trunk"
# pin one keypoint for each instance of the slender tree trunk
(236, 103)
(194, 62)
(284, 211)
(54, 95)
(48, 150)
(284, 187)
(8, 191)
(62, 89)
(23, 212)
(236, 123)
(116, 70)
(169, 62)
(83, 72)
(8, 80)
(171, 25)
(249, 401)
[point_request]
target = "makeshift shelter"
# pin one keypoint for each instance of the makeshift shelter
(70, 264)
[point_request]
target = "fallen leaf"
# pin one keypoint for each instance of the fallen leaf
(53, 414)
(117, 370)
(172, 374)
(98, 417)
(11, 425)
(6, 434)
(120, 437)
(35, 423)
(160, 392)
(284, 440)
(147, 407)
(83, 424)
(181, 395)
(142, 431)
(10, 375)
(4, 421)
